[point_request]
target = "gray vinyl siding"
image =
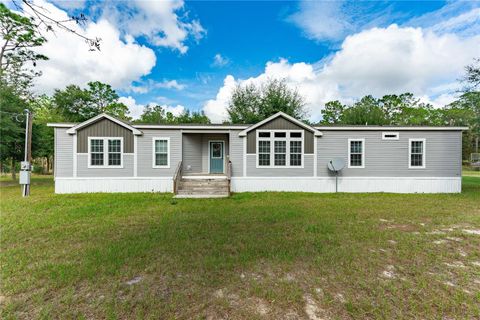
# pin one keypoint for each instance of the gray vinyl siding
(279, 123)
(195, 150)
(63, 153)
(192, 153)
(206, 137)
(306, 171)
(145, 152)
(236, 153)
(389, 158)
(84, 171)
(104, 128)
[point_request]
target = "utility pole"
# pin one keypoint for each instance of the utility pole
(25, 167)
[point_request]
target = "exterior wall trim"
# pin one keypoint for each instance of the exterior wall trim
(74, 162)
(244, 156)
(315, 157)
(199, 127)
(135, 156)
(380, 128)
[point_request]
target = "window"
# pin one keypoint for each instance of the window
(416, 153)
(296, 153)
(277, 149)
(390, 135)
(96, 152)
(263, 153)
(114, 153)
(161, 153)
(105, 152)
(280, 153)
(356, 153)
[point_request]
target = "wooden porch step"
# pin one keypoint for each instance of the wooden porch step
(190, 183)
(197, 188)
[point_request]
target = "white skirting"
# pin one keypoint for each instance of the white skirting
(139, 184)
(254, 184)
(349, 184)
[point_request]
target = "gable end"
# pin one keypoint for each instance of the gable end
(104, 128)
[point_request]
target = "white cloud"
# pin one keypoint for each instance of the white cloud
(158, 21)
(398, 59)
(70, 4)
(175, 110)
(170, 84)
(149, 85)
(378, 61)
(70, 62)
(215, 109)
(220, 61)
(459, 17)
(333, 20)
(136, 109)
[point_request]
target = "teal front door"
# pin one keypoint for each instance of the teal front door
(216, 156)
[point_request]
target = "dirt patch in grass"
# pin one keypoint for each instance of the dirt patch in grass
(400, 227)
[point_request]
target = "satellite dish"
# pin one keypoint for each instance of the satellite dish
(336, 164)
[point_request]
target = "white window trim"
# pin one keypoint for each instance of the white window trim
(105, 153)
(424, 153)
(363, 153)
(272, 148)
(384, 135)
(154, 166)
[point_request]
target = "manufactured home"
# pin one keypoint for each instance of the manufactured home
(280, 153)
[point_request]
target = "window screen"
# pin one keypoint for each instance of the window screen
(161, 152)
(356, 153)
(96, 152)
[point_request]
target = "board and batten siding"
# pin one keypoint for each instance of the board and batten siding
(390, 158)
(236, 153)
(145, 152)
(279, 123)
(63, 163)
(104, 128)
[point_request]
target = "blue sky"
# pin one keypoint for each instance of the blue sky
(191, 54)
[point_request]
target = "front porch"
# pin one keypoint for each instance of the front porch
(205, 168)
(205, 153)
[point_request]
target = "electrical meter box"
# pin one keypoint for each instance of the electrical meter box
(24, 177)
(25, 165)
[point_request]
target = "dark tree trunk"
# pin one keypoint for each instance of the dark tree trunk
(12, 170)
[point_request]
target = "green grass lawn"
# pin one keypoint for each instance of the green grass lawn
(251, 256)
